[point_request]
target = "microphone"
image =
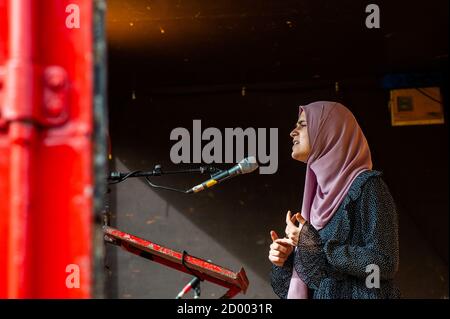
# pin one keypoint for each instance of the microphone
(247, 165)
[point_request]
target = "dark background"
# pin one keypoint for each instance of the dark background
(174, 61)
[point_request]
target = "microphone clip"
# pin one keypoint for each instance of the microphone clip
(211, 170)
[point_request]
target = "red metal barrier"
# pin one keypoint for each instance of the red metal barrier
(204, 270)
(46, 84)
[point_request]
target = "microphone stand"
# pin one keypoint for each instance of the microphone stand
(241, 280)
(117, 177)
(193, 284)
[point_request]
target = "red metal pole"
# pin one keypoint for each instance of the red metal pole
(46, 91)
(4, 157)
(20, 89)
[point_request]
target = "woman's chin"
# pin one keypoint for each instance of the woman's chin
(298, 157)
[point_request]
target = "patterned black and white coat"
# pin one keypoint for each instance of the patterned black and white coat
(362, 233)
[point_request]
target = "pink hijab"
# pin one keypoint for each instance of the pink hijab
(339, 153)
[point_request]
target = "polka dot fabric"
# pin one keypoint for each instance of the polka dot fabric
(363, 233)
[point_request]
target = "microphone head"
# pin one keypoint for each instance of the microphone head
(248, 165)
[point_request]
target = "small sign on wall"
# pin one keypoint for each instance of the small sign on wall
(416, 106)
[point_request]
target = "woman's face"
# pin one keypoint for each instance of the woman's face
(300, 140)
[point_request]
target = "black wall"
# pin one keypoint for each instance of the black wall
(242, 211)
(151, 94)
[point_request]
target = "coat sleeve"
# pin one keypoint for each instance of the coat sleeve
(315, 260)
(280, 277)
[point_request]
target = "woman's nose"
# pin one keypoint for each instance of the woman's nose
(293, 133)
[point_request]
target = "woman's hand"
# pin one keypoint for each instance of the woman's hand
(280, 249)
(292, 230)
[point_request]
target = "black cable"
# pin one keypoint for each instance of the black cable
(428, 96)
(130, 174)
(183, 262)
(157, 172)
(164, 187)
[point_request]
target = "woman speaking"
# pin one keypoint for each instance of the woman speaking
(344, 243)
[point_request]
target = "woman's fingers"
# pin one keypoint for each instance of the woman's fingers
(277, 256)
(276, 261)
(277, 253)
(297, 217)
(286, 242)
(281, 248)
(289, 230)
(273, 235)
(288, 218)
(294, 240)
(292, 231)
(300, 218)
(277, 246)
(294, 219)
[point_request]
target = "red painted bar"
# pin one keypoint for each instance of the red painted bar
(46, 84)
(236, 282)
